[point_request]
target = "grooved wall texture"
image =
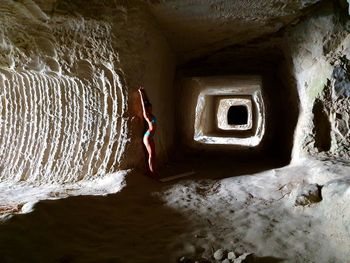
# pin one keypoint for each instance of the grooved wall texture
(58, 128)
(61, 94)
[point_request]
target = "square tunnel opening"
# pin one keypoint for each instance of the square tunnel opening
(223, 122)
(227, 117)
(237, 115)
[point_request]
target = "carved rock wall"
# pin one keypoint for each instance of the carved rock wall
(62, 100)
(320, 52)
(68, 79)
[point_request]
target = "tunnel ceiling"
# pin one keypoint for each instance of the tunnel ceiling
(197, 27)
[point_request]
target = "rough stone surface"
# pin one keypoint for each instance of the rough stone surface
(331, 124)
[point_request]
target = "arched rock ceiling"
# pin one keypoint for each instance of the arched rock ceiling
(197, 27)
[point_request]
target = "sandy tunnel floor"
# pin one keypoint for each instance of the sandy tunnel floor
(190, 219)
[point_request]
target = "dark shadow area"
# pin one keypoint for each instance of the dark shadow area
(267, 260)
(322, 127)
(130, 226)
(216, 165)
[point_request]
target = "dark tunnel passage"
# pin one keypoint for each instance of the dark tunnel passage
(281, 108)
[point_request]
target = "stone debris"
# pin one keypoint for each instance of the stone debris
(220, 254)
(231, 255)
(223, 256)
(308, 194)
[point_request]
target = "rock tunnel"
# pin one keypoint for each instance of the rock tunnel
(252, 106)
